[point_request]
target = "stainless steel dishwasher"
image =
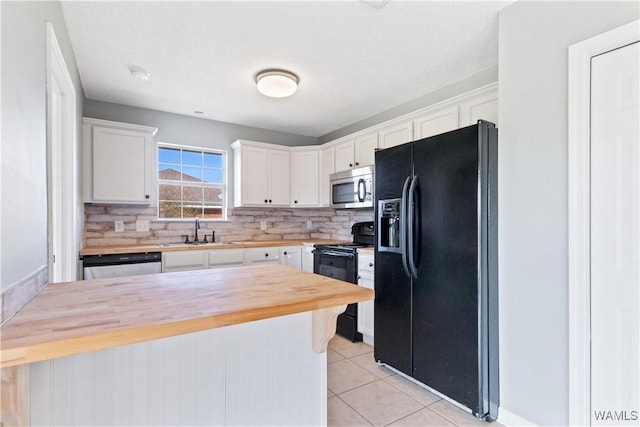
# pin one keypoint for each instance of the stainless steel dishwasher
(116, 265)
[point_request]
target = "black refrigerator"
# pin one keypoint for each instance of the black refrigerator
(436, 275)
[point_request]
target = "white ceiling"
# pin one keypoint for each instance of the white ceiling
(353, 60)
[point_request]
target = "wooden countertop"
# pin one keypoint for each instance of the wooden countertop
(78, 317)
(105, 250)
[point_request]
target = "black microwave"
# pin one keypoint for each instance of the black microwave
(352, 189)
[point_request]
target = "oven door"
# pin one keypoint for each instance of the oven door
(337, 265)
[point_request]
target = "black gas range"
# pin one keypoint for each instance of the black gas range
(340, 261)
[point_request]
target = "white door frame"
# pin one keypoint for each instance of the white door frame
(580, 55)
(62, 176)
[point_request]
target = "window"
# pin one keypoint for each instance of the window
(191, 182)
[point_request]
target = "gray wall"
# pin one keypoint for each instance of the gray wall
(534, 37)
(23, 208)
(470, 83)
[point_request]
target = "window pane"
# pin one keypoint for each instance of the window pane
(169, 172)
(212, 213)
(169, 192)
(212, 195)
(191, 158)
(169, 155)
(192, 194)
(170, 210)
(192, 174)
(213, 160)
(214, 176)
(191, 211)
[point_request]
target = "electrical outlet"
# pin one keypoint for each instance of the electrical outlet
(309, 224)
(263, 225)
(119, 226)
(142, 225)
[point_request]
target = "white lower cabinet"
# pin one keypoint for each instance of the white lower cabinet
(291, 256)
(225, 258)
(365, 308)
(262, 255)
(307, 258)
(184, 261)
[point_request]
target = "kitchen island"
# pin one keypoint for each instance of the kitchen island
(236, 346)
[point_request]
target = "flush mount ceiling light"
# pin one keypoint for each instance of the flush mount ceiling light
(277, 83)
(139, 73)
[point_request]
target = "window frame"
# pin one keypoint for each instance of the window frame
(224, 186)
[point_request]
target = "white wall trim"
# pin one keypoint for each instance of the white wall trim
(580, 55)
(509, 419)
(62, 161)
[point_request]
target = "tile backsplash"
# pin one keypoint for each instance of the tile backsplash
(243, 224)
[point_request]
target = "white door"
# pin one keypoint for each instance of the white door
(615, 232)
(365, 148)
(279, 177)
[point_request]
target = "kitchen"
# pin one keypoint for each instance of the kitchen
(534, 355)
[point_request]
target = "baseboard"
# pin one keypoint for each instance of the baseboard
(509, 419)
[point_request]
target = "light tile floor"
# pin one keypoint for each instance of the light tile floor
(363, 393)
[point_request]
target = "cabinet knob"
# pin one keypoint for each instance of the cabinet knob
(357, 164)
(285, 252)
(146, 196)
(350, 165)
(269, 200)
(295, 201)
(266, 254)
(265, 200)
(370, 264)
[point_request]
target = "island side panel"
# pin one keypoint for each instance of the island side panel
(274, 377)
(257, 373)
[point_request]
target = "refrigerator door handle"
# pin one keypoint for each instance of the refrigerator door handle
(410, 227)
(403, 225)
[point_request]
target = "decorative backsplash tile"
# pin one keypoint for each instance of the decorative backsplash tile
(243, 224)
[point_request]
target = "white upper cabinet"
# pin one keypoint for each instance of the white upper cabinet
(305, 178)
(327, 168)
(356, 152)
(345, 155)
(261, 175)
(484, 107)
(365, 147)
(436, 122)
(118, 162)
(396, 134)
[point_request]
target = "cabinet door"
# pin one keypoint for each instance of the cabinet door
(436, 122)
(365, 147)
(365, 308)
(396, 135)
(328, 167)
(484, 107)
(306, 177)
(291, 257)
(183, 261)
(345, 155)
(225, 258)
(279, 178)
(307, 258)
(121, 166)
(254, 176)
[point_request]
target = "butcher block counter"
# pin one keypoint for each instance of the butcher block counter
(170, 247)
(235, 346)
(76, 317)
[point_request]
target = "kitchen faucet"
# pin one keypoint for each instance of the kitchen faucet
(197, 226)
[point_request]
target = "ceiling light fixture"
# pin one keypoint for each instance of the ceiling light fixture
(139, 73)
(277, 83)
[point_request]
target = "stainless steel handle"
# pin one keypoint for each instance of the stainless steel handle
(362, 190)
(403, 226)
(410, 227)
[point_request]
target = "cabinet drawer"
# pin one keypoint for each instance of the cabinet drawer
(225, 257)
(264, 255)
